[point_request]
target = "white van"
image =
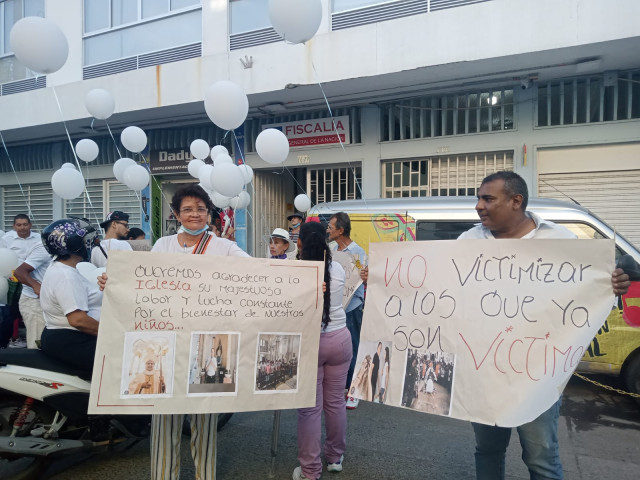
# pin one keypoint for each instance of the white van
(616, 348)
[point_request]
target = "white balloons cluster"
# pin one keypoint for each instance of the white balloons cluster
(272, 146)
(302, 203)
(87, 150)
(241, 201)
(227, 179)
(39, 44)
(296, 21)
(219, 200)
(194, 167)
(120, 166)
(67, 182)
(204, 175)
(222, 158)
(199, 149)
(136, 177)
(226, 104)
(8, 263)
(99, 103)
(217, 150)
(134, 139)
(247, 173)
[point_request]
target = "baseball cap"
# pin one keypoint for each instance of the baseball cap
(115, 215)
(299, 215)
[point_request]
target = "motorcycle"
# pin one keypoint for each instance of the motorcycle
(43, 415)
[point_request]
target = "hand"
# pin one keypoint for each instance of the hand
(364, 274)
(324, 287)
(102, 281)
(146, 385)
(620, 282)
(36, 288)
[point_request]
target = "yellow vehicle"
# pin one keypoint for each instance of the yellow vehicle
(615, 350)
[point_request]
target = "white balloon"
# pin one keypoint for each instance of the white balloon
(194, 167)
(134, 139)
(272, 146)
(219, 200)
(226, 104)
(8, 263)
(68, 165)
(247, 173)
(302, 203)
(217, 150)
(99, 103)
(296, 21)
(39, 44)
(88, 271)
(120, 166)
(227, 179)
(99, 272)
(136, 177)
(4, 289)
(241, 201)
(87, 150)
(199, 149)
(204, 174)
(67, 183)
(222, 158)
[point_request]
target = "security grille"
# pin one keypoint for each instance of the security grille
(442, 115)
(37, 196)
(23, 85)
(600, 98)
(447, 175)
(253, 38)
(120, 197)
(334, 184)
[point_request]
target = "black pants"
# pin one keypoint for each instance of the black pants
(70, 346)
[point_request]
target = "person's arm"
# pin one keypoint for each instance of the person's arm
(102, 281)
(79, 320)
(23, 274)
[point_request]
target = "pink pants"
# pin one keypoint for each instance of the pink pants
(334, 356)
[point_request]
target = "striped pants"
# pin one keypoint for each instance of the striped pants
(166, 432)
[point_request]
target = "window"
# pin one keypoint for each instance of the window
(342, 5)
(10, 12)
(600, 98)
(447, 175)
(430, 230)
(39, 197)
(453, 114)
(334, 184)
(249, 15)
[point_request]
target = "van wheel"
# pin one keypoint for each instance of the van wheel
(632, 375)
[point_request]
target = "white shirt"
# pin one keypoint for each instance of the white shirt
(98, 258)
(358, 296)
(19, 245)
(544, 229)
(217, 246)
(65, 290)
(39, 259)
(336, 312)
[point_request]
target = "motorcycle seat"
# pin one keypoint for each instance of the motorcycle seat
(33, 358)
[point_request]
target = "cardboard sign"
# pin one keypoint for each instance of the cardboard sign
(351, 265)
(202, 334)
(488, 331)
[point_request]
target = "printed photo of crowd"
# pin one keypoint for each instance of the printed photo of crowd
(428, 381)
(277, 362)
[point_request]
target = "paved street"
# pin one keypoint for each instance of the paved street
(599, 435)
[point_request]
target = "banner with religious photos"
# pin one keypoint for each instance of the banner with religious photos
(487, 331)
(352, 264)
(201, 334)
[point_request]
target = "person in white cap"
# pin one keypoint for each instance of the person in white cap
(279, 244)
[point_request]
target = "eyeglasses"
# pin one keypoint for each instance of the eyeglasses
(124, 224)
(190, 211)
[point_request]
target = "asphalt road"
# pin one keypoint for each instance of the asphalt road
(599, 439)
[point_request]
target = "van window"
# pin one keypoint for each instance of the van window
(584, 230)
(430, 230)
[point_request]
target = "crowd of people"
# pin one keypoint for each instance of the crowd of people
(272, 373)
(424, 373)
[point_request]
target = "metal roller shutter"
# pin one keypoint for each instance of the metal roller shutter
(38, 197)
(120, 197)
(90, 208)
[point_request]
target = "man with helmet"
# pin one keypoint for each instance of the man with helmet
(70, 303)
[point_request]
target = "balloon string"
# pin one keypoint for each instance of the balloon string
(24, 195)
(147, 162)
(114, 140)
(73, 150)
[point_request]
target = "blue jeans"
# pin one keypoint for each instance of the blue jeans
(539, 440)
(354, 325)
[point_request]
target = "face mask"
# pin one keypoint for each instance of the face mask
(193, 232)
(296, 225)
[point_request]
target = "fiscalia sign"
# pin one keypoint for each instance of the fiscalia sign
(318, 131)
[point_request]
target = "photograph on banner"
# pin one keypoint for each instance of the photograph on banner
(213, 363)
(148, 364)
(352, 264)
(371, 377)
(428, 381)
(277, 363)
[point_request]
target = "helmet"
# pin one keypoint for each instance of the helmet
(69, 236)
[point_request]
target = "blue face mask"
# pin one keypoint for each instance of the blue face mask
(193, 232)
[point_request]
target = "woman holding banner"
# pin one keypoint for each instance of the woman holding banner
(191, 206)
(334, 357)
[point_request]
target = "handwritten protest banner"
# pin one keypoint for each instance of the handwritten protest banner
(199, 334)
(351, 264)
(489, 331)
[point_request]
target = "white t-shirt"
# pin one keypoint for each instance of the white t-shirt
(544, 229)
(39, 259)
(19, 245)
(217, 246)
(65, 290)
(336, 312)
(98, 258)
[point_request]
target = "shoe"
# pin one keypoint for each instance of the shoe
(352, 403)
(298, 475)
(17, 343)
(335, 467)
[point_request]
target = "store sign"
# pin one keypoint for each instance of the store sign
(169, 161)
(319, 131)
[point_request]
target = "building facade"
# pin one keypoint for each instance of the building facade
(428, 97)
